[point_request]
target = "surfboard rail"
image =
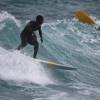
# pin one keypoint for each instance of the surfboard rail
(54, 65)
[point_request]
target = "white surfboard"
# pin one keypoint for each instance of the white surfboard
(54, 65)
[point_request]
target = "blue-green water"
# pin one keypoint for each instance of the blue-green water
(65, 41)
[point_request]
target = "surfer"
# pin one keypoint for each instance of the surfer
(28, 36)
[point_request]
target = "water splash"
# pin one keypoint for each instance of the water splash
(18, 67)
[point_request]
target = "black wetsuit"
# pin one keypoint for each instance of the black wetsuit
(28, 36)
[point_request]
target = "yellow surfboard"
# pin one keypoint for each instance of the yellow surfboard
(84, 17)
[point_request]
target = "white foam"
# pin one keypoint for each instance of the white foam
(5, 15)
(96, 20)
(86, 89)
(18, 67)
(63, 96)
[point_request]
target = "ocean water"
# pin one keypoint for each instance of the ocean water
(66, 41)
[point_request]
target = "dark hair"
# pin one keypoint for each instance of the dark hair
(39, 18)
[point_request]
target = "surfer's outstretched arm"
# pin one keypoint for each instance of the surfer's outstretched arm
(40, 33)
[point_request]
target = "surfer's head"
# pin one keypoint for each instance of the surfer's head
(39, 19)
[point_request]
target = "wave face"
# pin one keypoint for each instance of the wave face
(66, 41)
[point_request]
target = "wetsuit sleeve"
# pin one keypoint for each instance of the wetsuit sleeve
(40, 33)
